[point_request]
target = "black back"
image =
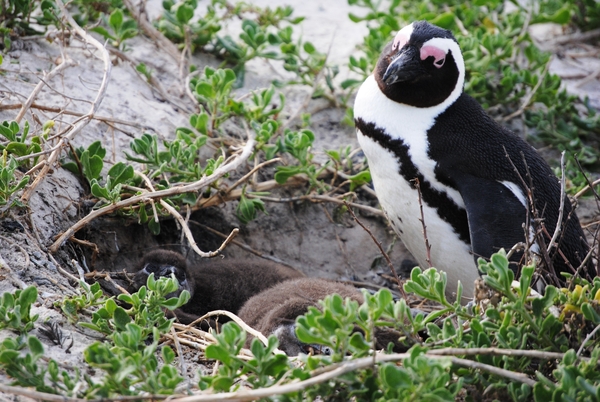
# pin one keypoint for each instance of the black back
(465, 140)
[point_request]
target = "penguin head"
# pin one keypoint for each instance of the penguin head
(164, 263)
(422, 67)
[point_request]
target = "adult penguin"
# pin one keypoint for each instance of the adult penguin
(422, 133)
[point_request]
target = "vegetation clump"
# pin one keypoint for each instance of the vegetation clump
(512, 346)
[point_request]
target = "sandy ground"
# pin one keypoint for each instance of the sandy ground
(303, 235)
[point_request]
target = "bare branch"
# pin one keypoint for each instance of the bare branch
(427, 245)
(237, 320)
(59, 110)
(385, 255)
(242, 245)
(587, 338)
(227, 167)
(153, 33)
(190, 237)
(66, 63)
(242, 180)
(577, 37)
(84, 120)
(586, 188)
(561, 209)
(44, 396)
(343, 368)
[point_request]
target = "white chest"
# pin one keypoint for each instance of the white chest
(399, 198)
(400, 201)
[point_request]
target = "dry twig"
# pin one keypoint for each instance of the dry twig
(527, 99)
(227, 167)
(66, 63)
(140, 17)
(385, 255)
(54, 109)
(422, 219)
(243, 246)
(561, 209)
(335, 371)
(190, 237)
(84, 120)
(238, 321)
(586, 188)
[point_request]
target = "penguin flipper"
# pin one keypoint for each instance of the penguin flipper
(496, 212)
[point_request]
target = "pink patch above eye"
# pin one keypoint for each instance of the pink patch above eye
(438, 54)
(399, 41)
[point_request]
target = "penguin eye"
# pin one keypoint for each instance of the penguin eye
(439, 55)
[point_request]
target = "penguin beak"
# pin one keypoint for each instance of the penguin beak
(405, 67)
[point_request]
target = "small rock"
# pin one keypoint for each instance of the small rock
(42, 281)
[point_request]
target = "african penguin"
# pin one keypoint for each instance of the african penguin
(414, 122)
(215, 284)
(274, 311)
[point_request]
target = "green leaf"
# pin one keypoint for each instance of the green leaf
(444, 20)
(309, 48)
(218, 352)
(35, 346)
(7, 132)
(121, 318)
(590, 313)
(221, 383)
(102, 31)
(205, 90)
(154, 226)
(8, 356)
(285, 172)
(184, 13)
(120, 173)
(91, 164)
(96, 148)
(99, 191)
(28, 296)
(394, 377)
(17, 148)
(71, 167)
(116, 19)
(167, 354)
